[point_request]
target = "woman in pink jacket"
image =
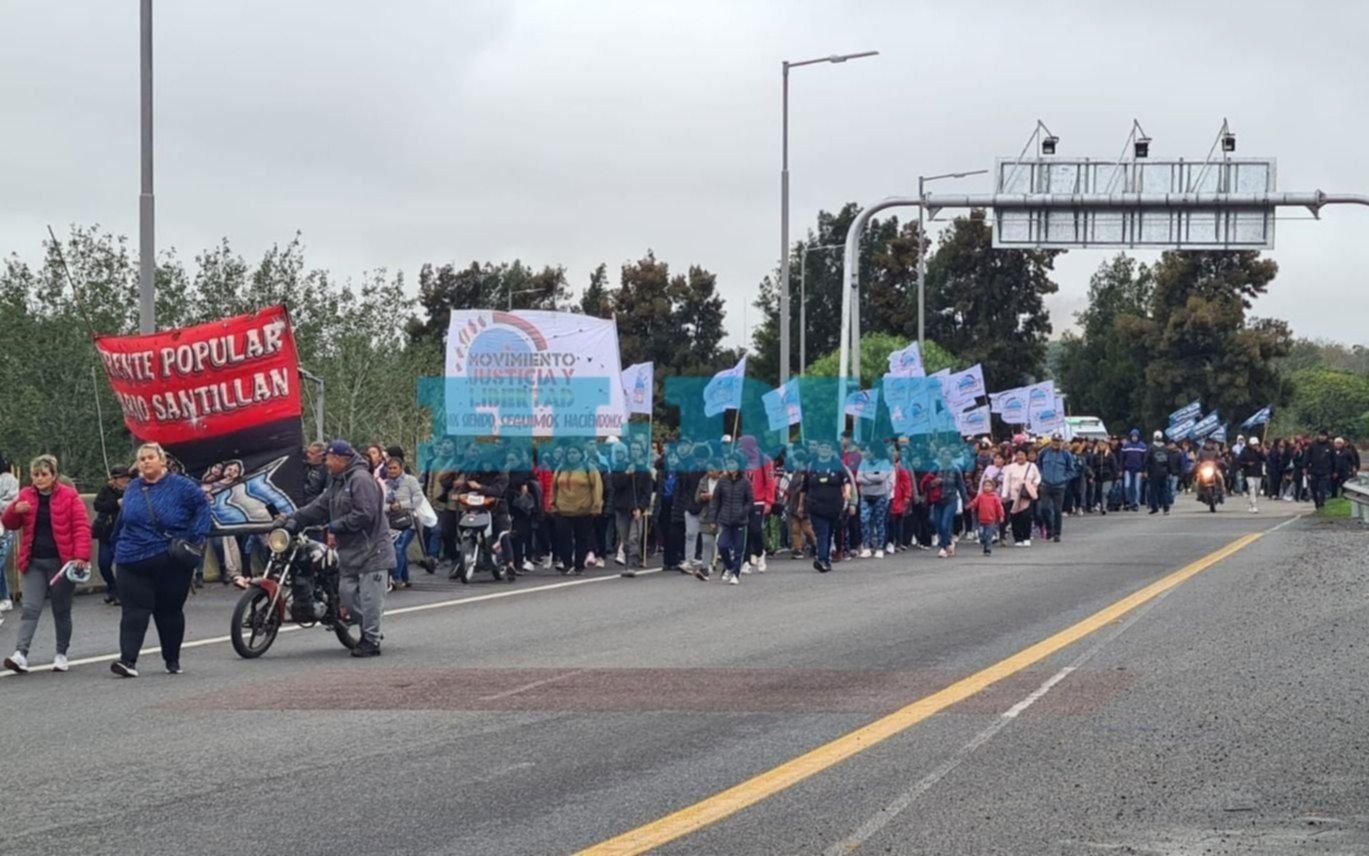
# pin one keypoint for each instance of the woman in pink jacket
(53, 530)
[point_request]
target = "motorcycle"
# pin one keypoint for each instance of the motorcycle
(1209, 483)
(480, 550)
(300, 586)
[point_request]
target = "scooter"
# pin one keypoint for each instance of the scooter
(480, 550)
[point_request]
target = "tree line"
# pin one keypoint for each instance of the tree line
(1152, 338)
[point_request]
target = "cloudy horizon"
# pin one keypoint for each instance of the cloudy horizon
(577, 134)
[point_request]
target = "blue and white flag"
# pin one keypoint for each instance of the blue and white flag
(964, 387)
(1185, 413)
(637, 391)
(863, 403)
(1261, 417)
(907, 362)
(724, 391)
(1010, 405)
(1219, 435)
(1048, 418)
(1209, 423)
(782, 406)
(1180, 431)
(973, 421)
(908, 400)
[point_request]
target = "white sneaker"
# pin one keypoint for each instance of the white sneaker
(6, 605)
(17, 662)
(746, 567)
(1027, 543)
(527, 566)
(879, 554)
(865, 552)
(941, 554)
(546, 563)
(760, 564)
(620, 559)
(889, 548)
(732, 580)
(60, 664)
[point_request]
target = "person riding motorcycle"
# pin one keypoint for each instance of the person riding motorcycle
(353, 507)
(1210, 452)
(488, 475)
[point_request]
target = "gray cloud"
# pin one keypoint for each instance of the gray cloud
(574, 133)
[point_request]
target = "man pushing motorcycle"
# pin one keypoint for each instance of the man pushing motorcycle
(353, 508)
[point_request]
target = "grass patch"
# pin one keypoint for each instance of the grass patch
(1338, 507)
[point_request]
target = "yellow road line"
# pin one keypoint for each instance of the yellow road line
(753, 790)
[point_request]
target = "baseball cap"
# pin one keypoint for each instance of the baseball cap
(342, 449)
(1158, 435)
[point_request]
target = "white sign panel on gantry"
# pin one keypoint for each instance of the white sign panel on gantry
(1130, 222)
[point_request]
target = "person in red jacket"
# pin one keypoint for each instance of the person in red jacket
(903, 497)
(761, 470)
(53, 530)
(988, 507)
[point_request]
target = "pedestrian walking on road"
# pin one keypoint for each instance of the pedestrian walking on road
(945, 491)
(1132, 457)
(1021, 484)
(1059, 467)
(162, 513)
(1161, 463)
(108, 503)
(707, 523)
(353, 508)
(577, 498)
(875, 481)
(53, 530)
(403, 496)
(1252, 463)
(826, 490)
(988, 509)
(731, 507)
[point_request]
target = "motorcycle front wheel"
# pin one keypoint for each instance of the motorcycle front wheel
(470, 558)
(255, 624)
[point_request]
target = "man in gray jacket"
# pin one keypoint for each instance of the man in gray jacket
(354, 510)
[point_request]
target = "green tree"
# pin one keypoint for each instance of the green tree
(875, 349)
(442, 289)
(595, 300)
(1099, 370)
(1327, 398)
(1198, 342)
(988, 306)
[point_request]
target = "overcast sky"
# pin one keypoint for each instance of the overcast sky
(572, 133)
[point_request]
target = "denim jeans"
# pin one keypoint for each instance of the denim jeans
(402, 539)
(986, 533)
(731, 543)
(6, 545)
(1159, 495)
(943, 515)
(874, 515)
(1131, 489)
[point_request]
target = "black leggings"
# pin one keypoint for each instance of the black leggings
(576, 538)
(1022, 525)
(154, 588)
(448, 521)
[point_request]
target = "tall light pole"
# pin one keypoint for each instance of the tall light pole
(922, 250)
(784, 204)
(147, 242)
(803, 302)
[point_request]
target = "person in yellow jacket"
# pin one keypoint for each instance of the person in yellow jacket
(577, 497)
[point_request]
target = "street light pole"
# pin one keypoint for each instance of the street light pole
(147, 243)
(785, 353)
(922, 251)
(803, 303)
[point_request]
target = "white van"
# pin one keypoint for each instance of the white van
(1085, 428)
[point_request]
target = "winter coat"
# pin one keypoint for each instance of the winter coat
(353, 508)
(875, 478)
(1320, 458)
(631, 490)
(704, 496)
(903, 491)
(107, 506)
(1162, 462)
(1252, 462)
(732, 499)
(823, 486)
(1057, 466)
(181, 511)
(70, 525)
(1105, 466)
(1020, 479)
(1345, 463)
(404, 490)
(315, 481)
(1133, 456)
(988, 507)
(9, 492)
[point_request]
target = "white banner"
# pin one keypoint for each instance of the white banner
(533, 373)
(973, 421)
(1040, 397)
(907, 362)
(637, 389)
(1010, 405)
(1050, 417)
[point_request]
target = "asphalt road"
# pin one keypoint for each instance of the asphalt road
(1227, 715)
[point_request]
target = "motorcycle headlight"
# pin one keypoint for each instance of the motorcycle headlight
(1206, 470)
(278, 540)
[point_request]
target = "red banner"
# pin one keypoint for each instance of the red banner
(207, 381)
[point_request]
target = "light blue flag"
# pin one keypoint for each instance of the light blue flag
(1261, 417)
(783, 407)
(1185, 413)
(863, 404)
(724, 391)
(1209, 423)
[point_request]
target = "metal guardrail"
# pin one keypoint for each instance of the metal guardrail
(1357, 491)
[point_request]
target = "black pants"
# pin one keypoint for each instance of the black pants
(674, 543)
(755, 533)
(520, 533)
(447, 521)
(154, 588)
(575, 537)
(1022, 525)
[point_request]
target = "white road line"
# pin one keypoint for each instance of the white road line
(882, 819)
(219, 640)
(532, 686)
